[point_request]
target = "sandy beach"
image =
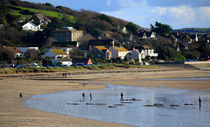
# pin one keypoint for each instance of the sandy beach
(13, 114)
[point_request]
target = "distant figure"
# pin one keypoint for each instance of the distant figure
(121, 94)
(63, 75)
(91, 97)
(199, 102)
(21, 95)
(83, 95)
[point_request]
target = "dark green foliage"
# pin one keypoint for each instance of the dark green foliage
(161, 28)
(132, 27)
(4, 10)
(12, 20)
(33, 54)
(117, 60)
(76, 53)
(189, 54)
(4, 54)
(179, 57)
(48, 62)
(106, 18)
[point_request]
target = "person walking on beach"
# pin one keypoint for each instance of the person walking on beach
(199, 102)
(21, 95)
(91, 97)
(121, 96)
(83, 96)
(63, 75)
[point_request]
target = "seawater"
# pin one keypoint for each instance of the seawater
(152, 107)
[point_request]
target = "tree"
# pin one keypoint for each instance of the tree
(132, 27)
(4, 9)
(106, 18)
(161, 28)
(4, 54)
(76, 52)
(32, 54)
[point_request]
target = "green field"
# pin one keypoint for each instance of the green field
(53, 14)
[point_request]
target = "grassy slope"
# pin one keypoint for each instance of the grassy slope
(52, 14)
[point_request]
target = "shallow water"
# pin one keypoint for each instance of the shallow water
(184, 79)
(152, 107)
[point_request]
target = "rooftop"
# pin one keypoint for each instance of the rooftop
(101, 48)
(121, 49)
(58, 51)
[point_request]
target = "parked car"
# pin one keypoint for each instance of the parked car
(20, 65)
(34, 65)
(10, 66)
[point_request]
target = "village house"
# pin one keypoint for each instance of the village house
(1, 26)
(13, 50)
(146, 51)
(68, 34)
(65, 49)
(134, 54)
(100, 42)
(57, 55)
(82, 61)
(31, 26)
(98, 52)
(147, 35)
(40, 19)
(124, 30)
(25, 49)
(116, 52)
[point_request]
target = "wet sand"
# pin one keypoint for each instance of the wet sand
(12, 114)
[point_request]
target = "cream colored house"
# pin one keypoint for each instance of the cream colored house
(116, 52)
(68, 34)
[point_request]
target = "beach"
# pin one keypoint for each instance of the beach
(14, 114)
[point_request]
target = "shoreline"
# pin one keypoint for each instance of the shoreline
(13, 114)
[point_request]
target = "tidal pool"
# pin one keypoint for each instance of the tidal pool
(143, 107)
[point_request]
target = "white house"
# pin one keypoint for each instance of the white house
(124, 30)
(147, 51)
(141, 53)
(31, 26)
(115, 52)
(57, 55)
(147, 35)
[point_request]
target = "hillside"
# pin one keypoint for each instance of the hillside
(15, 13)
(92, 23)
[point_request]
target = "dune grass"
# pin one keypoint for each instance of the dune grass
(69, 69)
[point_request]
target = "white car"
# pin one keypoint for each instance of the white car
(34, 65)
(144, 63)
